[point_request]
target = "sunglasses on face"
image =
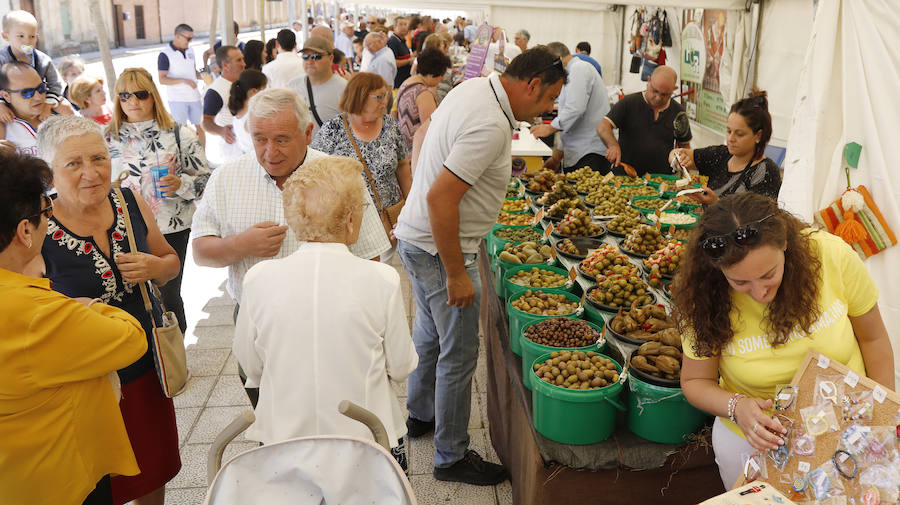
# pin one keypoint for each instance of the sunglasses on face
(45, 211)
(745, 235)
(312, 56)
(124, 96)
(29, 92)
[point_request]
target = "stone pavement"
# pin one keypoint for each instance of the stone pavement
(214, 397)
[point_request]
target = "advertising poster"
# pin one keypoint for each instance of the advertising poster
(478, 52)
(703, 45)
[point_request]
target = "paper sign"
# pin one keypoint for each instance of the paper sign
(851, 379)
(618, 184)
(879, 394)
(671, 229)
(662, 187)
(572, 273)
(646, 177)
(548, 230)
(823, 362)
(528, 200)
(538, 217)
(784, 397)
(478, 52)
(803, 466)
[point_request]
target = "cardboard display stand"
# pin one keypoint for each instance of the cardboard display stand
(885, 410)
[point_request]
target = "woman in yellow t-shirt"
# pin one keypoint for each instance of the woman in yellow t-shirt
(757, 289)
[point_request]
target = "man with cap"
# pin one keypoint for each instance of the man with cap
(287, 63)
(320, 87)
(344, 40)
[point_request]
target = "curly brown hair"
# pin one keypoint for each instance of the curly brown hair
(702, 302)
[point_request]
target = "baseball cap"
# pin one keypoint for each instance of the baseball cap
(318, 44)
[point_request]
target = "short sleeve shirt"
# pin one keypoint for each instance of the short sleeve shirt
(646, 142)
(401, 53)
(470, 135)
(750, 365)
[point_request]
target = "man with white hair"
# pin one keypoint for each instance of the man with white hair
(344, 40)
(521, 40)
(240, 220)
(382, 62)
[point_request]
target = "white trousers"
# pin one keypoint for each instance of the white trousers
(728, 447)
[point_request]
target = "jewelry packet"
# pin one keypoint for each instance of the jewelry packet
(857, 406)
(819, 419)
(829, 388)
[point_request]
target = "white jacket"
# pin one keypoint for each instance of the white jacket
(318, 327)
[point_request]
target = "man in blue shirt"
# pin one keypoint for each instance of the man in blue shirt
(583, 52)
(583, 104)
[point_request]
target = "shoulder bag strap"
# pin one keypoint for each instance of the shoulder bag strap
(129, 231)
(363, 161)
(312, 103)
(178, 139)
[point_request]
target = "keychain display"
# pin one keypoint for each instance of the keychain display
(819, 419)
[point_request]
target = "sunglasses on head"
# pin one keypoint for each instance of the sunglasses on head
(29, 92)
(46, 211)
(556, 63)
(312, 56)
(124, 96)
(745, 235)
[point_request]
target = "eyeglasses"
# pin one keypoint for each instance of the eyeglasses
(380, 97)
(186, 37)
(312, 56)
(45, 211)
(370, 22)
(29, 92)
(143, 94)
(746, 235)
(556, 63)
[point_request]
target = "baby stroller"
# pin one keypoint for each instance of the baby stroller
(317, 470)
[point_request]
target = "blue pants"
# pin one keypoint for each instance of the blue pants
(446, 340)
(187, 111)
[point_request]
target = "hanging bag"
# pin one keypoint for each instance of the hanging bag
(168, 342)
(388, 215)
(666, 34)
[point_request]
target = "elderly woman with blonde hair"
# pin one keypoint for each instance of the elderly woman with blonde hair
(340, 315)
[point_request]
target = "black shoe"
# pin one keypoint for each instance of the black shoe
(416, 428)
(473, 470)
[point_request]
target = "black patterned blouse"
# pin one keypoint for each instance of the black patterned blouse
(763, 178)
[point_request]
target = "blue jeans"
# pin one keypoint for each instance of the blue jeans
(446, 340)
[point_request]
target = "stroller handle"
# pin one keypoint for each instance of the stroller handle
(354, 411)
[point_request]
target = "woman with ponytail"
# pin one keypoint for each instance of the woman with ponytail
(741, 165)
(248, 84)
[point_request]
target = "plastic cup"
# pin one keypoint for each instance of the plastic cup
(158, 172)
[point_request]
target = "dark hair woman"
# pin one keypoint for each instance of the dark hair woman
(740, 165)
(757, 289)
(61, 421)
(248, 84)
(254, 55)
(270, 49)
(417, 96)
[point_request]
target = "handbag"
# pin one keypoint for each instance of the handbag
(167, 347)
(666, 34)
(388, 215)
(855, 218)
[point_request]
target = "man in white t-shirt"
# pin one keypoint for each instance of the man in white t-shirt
(217, 119)
(178, 73)
(383, 62)
(287, 64)
(326, 87)
(460, 183)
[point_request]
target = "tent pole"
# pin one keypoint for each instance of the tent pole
(103, 42)
(212, 26)
(262, 20)
(620, 43)
(228, 22)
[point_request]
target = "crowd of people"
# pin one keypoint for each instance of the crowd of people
(302, 167)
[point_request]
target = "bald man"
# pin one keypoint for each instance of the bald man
(322, 31)
(650, 125)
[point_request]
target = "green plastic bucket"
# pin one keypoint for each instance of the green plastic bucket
(500, 269)
(495, 244)
(574, 417)
(512, 289)
(596, 316)
(660, 414)
(518, 319)
(531, 351)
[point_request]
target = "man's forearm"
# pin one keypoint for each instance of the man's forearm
(606, 134)
(216, 252)
(445, 229)
(210, 126)
(170, 81)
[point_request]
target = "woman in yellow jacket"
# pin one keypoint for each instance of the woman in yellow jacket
(61, 432)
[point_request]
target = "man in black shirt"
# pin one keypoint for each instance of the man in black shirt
(650, 125)
(397, 43)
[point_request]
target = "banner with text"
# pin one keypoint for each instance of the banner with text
(703, 37)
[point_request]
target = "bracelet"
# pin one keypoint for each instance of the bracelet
(95, 300)
(838, 465)
(732, 404)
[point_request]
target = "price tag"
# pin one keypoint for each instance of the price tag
(879, 394)
(823, 361)
(663, 187)
(671, 229)
(821, 414)
(803, 466)
(646, 177)
(608, 177)
(826, 387)
(853, 438)
(843, 457)
(528, 201)
(548, 230)
(538, 217)
(753, 465)
(851, 379)
(572, 273)
(784, 397)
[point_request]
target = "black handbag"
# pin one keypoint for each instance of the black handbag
(666, 34)
(635, 64)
